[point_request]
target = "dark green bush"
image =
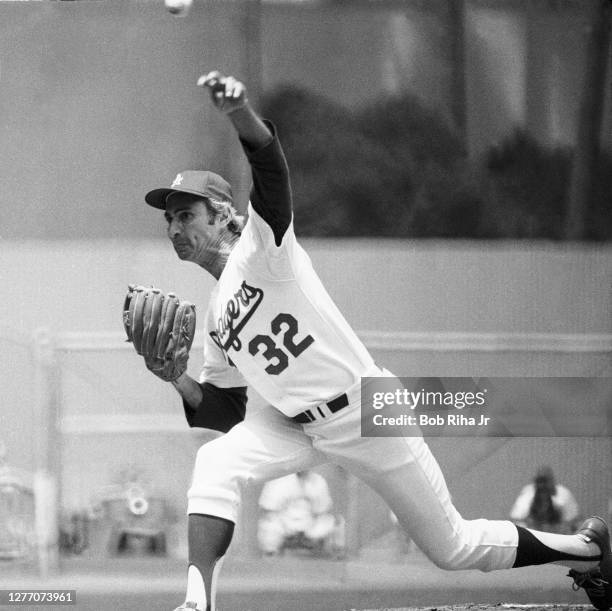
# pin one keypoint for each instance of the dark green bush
(525, 186)
(599, 217)
(344, 182)
(396, 169)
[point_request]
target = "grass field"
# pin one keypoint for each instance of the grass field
(499, 607)
(305, 584)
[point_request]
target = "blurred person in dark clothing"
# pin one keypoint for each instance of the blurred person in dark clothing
(545, 505)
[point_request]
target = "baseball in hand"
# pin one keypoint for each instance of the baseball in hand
(178, 8)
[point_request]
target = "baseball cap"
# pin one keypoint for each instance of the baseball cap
(196, 182)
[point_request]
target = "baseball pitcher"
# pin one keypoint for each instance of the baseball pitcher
(271, 324)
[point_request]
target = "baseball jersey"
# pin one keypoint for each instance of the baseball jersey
(270, 322)
(298, 497)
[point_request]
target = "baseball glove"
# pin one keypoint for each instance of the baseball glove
(161, 327)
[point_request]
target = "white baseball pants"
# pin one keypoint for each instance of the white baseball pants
(403, 471)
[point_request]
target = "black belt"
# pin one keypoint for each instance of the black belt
(316, 413)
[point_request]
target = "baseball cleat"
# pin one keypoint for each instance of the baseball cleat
(597, 582)
(187, 606)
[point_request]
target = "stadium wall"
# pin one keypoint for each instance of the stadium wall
(424, 308)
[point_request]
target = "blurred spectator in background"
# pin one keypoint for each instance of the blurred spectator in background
(546, 505)
(297, 513)
(17, 517)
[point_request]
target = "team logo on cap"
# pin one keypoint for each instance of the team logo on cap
(177, 181)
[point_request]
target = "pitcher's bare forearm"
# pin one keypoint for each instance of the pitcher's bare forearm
(189, 389)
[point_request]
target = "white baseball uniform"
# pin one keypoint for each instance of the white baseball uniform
(271, 324)
(294, 504)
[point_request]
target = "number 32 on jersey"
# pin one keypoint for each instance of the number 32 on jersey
(282, 345)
